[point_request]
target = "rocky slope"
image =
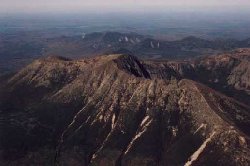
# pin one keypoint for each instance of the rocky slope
(228, 73)
(118, 110)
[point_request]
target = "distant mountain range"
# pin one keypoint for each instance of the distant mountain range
(118, 110)
(18, 50)
(141, 46)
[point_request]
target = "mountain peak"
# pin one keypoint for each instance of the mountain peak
(54, 58)
(117, 110)
(131, 64)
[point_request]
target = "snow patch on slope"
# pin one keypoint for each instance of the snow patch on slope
(144, 124)
(113, 121)
(197, 153)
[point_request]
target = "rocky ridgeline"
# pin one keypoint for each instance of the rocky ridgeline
(118, 110)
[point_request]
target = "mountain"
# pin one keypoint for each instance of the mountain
(139, 45)
(119, 110)
(30, 47)
(227, 72)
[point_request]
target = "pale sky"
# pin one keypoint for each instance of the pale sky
(109, 5)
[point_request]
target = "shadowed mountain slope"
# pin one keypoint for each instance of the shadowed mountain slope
(118, 110)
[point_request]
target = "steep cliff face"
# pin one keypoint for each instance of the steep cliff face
(117, 110)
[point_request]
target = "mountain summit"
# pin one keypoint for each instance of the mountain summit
(119, 110)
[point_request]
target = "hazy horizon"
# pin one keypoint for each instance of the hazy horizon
(171, 19)
(98, 6)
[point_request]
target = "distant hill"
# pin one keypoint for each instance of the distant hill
(17, 51)
(142, 46)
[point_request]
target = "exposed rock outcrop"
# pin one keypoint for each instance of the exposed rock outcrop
(118, 110)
